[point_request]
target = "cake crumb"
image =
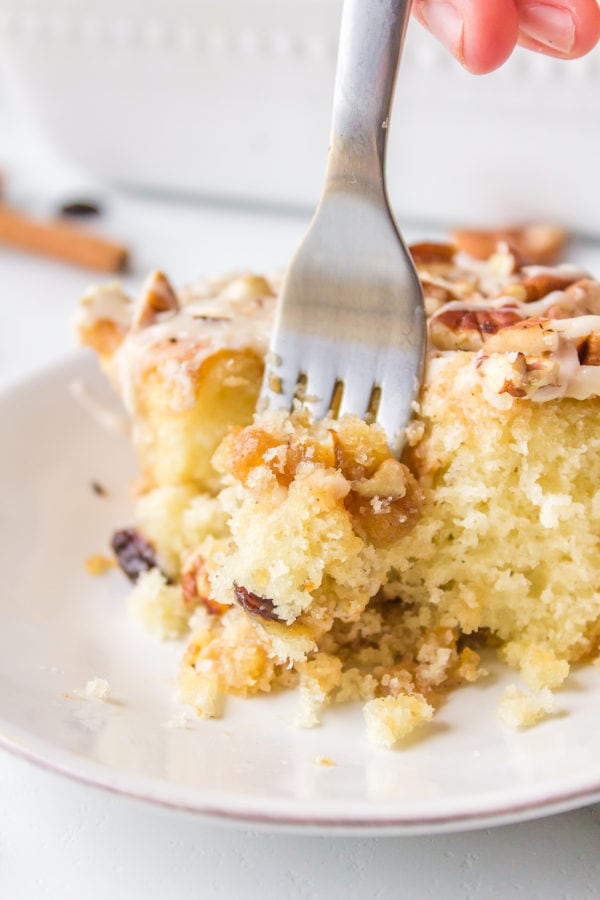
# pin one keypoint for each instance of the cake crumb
(318, 678)
(98, 564)
(390, 719)
(95, 689)
(179, 719)
(324, 761)
(158, 606)
(518, 709)
(541, 669)
(414, 432)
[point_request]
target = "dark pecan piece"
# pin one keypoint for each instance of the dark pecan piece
(255, 604)
(134, 553)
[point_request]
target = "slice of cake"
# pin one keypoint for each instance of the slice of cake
(303, 554)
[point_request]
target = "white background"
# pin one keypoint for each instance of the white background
(60, 840)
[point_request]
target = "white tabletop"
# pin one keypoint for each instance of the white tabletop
(61, 840)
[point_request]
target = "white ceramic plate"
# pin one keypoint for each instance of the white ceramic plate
(59, 628)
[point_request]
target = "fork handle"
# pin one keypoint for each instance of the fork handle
(371, 38)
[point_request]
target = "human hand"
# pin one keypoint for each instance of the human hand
(482, 34)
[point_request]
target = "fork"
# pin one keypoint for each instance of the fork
(349, 334)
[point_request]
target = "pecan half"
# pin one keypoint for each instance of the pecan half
(134, 553)
(195, 586)
(467, 329)
(533, 337)
(254, 603)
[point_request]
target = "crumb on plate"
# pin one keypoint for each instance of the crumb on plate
(519, 709)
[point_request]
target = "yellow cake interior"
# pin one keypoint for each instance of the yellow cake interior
(303, 555)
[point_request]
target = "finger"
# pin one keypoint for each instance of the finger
(480, 35)
(563, 28)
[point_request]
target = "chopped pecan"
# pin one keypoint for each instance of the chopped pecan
(466, 329)
(542, 372)
(589, 352)
(246, 450)
(386, 506)
(134, 553)
(515, 374)
(157, 297)
(505, 373)
(195, 586)
(435, 295)
(248, 288)
(255, 604)
(427, 252)
(300, 451)
(539, 244)
(250, 448)
(355, 456)
(538, 286)
(582, 298)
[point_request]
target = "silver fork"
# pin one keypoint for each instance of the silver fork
(350, 331)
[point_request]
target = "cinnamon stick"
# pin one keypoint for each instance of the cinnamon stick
(61, 241)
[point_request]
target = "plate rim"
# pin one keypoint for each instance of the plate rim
(155, 793)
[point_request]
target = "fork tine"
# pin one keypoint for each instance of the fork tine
(358, 387)
(322, 376)
(286, 363)
(395, 404)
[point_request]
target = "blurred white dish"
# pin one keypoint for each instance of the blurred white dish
(61, 628)
(233, 99)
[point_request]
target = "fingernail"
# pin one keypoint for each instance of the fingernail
(548, 25)
(446, 23)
